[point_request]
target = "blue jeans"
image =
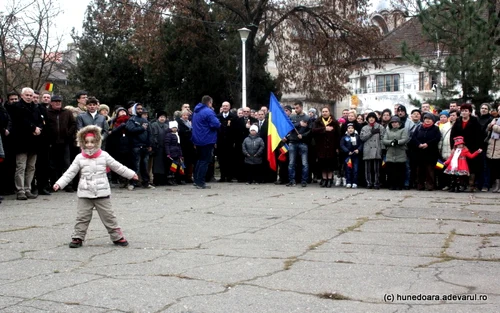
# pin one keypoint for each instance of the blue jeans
(140, 157)
(204, 157)
(351, 174)
(301, 149)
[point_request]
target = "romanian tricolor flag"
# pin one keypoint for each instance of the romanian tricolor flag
(349, 162)
(49, 86)
(279, 125)
(439, 165)
(181, 169)
(173, 167)
(283, 152)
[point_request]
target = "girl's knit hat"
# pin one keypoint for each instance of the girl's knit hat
(458, 140)
(92, 129)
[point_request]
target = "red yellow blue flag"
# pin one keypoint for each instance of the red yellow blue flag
(173, 167)
(279, 125)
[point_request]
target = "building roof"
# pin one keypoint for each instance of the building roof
(411, 33)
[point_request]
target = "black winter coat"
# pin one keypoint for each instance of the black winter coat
(430, 136)
(172, 145)
(26, 117)
(473, 137)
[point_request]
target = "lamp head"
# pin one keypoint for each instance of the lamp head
(244, 32)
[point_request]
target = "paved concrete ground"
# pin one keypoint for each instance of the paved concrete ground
(258, 248)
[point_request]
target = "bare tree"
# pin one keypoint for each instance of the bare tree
(316, 43)
(29, 49)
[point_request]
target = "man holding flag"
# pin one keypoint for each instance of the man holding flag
(279, 125)
(298, 144)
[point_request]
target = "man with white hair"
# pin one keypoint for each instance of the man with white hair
(27, 124)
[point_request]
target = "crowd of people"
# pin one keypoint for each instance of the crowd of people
(453, 149)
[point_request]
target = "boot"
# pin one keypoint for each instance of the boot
(496, 187)
(472, 179)
(453, 186)
(329, 183)
(322, 183)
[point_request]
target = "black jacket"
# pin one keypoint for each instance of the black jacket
(431, 136)
(473, 137)
(26, 117)
(138, 135)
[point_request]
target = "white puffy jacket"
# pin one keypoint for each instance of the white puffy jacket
(93, 179)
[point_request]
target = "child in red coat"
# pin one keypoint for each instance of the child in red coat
(456, 165)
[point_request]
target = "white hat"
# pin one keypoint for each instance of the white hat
(173, 124)
(254, 127)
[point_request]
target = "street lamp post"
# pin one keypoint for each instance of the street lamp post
(244, 32)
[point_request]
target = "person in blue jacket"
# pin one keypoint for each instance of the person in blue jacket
(204, 136)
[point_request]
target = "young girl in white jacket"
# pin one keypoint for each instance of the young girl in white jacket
(93, 187)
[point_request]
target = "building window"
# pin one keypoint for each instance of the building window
(362, 84)
(426, 80)
(387, 83)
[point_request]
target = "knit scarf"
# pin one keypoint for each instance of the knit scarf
(120, 120)
(327, 121)
(427, 126)
(454, 160)
(178, 138)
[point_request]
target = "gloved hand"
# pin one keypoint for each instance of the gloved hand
(394, 142)
(375, 131)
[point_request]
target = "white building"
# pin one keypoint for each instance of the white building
(396, 80)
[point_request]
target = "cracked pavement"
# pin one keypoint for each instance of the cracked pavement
(258, 248)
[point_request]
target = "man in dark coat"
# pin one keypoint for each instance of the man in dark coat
(141, 142)
(8, 166)
(92, 117)
(225, 142)
(268, 175)
(60, 129)
(42, 166)
(27, 125)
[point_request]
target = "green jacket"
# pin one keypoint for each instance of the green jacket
(396, 153)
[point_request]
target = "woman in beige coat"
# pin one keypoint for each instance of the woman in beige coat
(493, 153)
(93, 187)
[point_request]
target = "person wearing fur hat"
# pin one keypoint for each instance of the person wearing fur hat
(158, 131)
(173, 151)
(104, 111)
(456, 165)
(253, 149)
(372, 135)
(395, 140)
(93, 188)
